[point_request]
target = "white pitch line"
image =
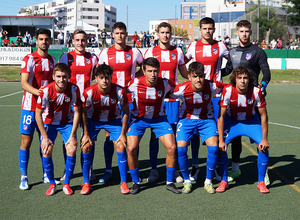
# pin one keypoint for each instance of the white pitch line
(10, 105)
(10, 94)
(289, 126)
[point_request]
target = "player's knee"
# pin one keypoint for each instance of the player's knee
(87, 148)
(26, 142)
(171, 149)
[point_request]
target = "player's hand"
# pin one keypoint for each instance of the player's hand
(73, 142)
(86, 141)
(263, 88)
(122, 138)
(222, 146)
(263, 146)
(46, 143)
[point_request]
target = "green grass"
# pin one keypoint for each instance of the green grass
(241, 201)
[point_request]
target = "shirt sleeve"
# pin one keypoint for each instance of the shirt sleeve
(264, 66)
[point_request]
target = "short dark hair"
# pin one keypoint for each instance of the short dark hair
(103, 69)
(43, 31)
(164, 24)
(79, 31)
(62, 67)
(151, 61)
(243, 23)
(120, 25)
(196, 68)
(207, 20)
(241, 70)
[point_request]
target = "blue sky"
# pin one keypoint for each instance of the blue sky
(139, 12)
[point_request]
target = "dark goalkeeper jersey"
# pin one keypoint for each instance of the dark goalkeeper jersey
(251, 56)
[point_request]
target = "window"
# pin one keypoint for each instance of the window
(190, 25)
(203, 9)
(190, 37)
(181, 25)
(186, 9)
(90, 17)
(90, 9)
(186, 17)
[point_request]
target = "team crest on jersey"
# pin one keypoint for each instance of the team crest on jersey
(113, 101)
(215, 51)
(159, 93)
(67, 99)
(248, 56)
(25, 127)
(51, 65)
(128, 57)
(250, 101)
(88, 61)
(173, 56)
(206, 96)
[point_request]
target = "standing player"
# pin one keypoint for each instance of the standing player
(148, 92)
(101, 111)
(54, 113)
(36, 72)
(210, 53)
(81, 66)
(255, 59)
(171, 60)
(238, 117)
(124, 60)
(198, 114)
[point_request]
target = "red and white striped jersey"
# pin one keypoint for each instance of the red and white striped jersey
(196, 105)
(81, 68)
(148, 101)
(210, 55)
(242, 106)
(40, 71)
(123, 62)
(104, 107)
(58, 105)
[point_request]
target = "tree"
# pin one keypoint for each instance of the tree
(30, 12)
(180, 32)
(293, 12)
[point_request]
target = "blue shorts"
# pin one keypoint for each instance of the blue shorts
(186, 128)
(250, 127)
(215, 102)
(130, 106)
(65, 130)
(27, 122)
(114, 128)
(160, 126)
(172, 111)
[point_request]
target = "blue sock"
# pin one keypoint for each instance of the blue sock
(211, 161)
(108, 153)
(69, 167)
(170, 174)
(135, 175)
(23, 161)
(195, 144)
(86, 166)
(153, 151)
(49, 169)
(223, 165)
(122, 163)
(262, 165)
(183, 161)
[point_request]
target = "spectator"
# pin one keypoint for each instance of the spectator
(173, 42)
(69, 39)
(273, 44)
(28, 36)
(144, 39)
(152, 42)
(6, 41)
(112, 38)
(60, 38)
(227, 41)
(287, 46)
(12, 44)
(263, 45)
(103, 37)
(31, 42)
(148, 36)
(155, 39)
(279, 43)
(180, 43)
(4, 33)
(135, 38)
(25, 40)
(141, 36)
(19, 41)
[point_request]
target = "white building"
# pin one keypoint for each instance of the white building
(92, 12)
(193, 10)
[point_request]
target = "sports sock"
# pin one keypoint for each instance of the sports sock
(86, 166)
(135, 175)
(153, 151)
(170, 174)
(183, 161)
(49, 169)
(262, 165)
(108, 154)
(211, 161)
(23, 161)
(69, 167)
(122, 163)
(223, 165)
(195, 144)
(235, 167)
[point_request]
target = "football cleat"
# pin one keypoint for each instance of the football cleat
(86, 189)
(51, 190)
(67, 189)
(152, 176)
(24, 183)
(124, 188)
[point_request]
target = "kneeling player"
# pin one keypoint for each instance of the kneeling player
(148, 93)
(54, 105)
(196, 95)
(237, 117)
(101, 111)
